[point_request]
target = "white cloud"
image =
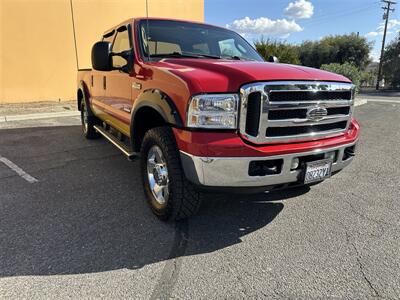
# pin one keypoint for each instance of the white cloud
(280, 27)
(372, 34)
(392, 24)
(300, 9)
(375, 56)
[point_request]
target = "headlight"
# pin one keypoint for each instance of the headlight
(218, 111)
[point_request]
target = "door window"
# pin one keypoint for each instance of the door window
(121, 43)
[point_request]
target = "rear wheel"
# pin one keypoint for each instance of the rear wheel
(170, 195)
(88, 122)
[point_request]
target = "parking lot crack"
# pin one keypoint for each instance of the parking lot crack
(357, 212)
(169, 275)
(361, 266)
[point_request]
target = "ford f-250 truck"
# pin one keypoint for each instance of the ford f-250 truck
(204, 111)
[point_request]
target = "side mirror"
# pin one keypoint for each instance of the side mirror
(273, 59)
(101, 56)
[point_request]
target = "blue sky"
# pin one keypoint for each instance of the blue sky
(298, 20)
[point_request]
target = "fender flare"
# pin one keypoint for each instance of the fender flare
(160, 102)
(85, 93)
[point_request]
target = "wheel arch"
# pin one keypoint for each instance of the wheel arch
(82, 95)
(153, 108)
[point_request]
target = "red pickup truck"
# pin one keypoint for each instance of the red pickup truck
(204, 111)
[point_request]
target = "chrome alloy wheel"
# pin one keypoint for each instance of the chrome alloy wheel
(157, 173)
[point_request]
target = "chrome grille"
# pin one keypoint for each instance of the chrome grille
(276, 112)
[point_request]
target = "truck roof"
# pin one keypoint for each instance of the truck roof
(132, 20)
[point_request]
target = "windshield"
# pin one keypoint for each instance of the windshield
(162, 38)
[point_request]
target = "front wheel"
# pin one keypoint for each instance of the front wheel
(169, 193)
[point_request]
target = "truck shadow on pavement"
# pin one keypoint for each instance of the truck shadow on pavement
(88, 213)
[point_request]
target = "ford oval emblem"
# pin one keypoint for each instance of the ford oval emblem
(316, 113)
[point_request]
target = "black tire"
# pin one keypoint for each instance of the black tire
(183, 200)
(88, 121)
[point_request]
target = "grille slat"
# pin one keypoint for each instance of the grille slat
(339, 111)
(307, 104)
(293, 111)
(309, 96)
(305, 122)
(287, 114)
(285, 131)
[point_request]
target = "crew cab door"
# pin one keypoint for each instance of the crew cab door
(98, 84)
(118, 89)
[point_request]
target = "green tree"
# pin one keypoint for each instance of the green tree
(391, 63)
(339, 49)
(285, 52)
(367, 78)
(348, 70)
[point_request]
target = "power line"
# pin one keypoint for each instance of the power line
(73, 29)
(331, 13)
(328, 18)
(386, 16)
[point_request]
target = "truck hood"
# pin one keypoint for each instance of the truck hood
(210, 75)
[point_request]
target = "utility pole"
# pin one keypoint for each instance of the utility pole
(73, 30)
(386, 15)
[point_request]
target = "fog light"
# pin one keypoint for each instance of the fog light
(295, 164)
(349, 152)
(265, 167)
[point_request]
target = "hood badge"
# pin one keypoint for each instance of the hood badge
(316, 113)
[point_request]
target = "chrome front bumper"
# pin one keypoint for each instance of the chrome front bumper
(234, 171)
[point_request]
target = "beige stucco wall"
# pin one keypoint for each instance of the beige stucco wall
(37, 52)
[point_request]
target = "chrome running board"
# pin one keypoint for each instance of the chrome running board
(114, 140)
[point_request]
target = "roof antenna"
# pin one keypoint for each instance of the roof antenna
(148, 31)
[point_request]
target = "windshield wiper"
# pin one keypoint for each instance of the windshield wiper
(202, 55)
(199, 55)
(235, 57)
(185, 54)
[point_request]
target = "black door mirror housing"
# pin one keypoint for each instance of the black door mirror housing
(273, 59)
(101, 56)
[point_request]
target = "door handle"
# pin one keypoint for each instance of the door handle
(137, 86)
(104, 83)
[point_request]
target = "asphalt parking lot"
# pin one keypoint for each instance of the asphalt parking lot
(83, 229)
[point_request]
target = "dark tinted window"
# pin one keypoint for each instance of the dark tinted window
(159, 37)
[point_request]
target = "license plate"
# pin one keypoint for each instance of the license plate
(318, 170)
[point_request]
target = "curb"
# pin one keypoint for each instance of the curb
(38, 116)
(360, 102)
(394, 101)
